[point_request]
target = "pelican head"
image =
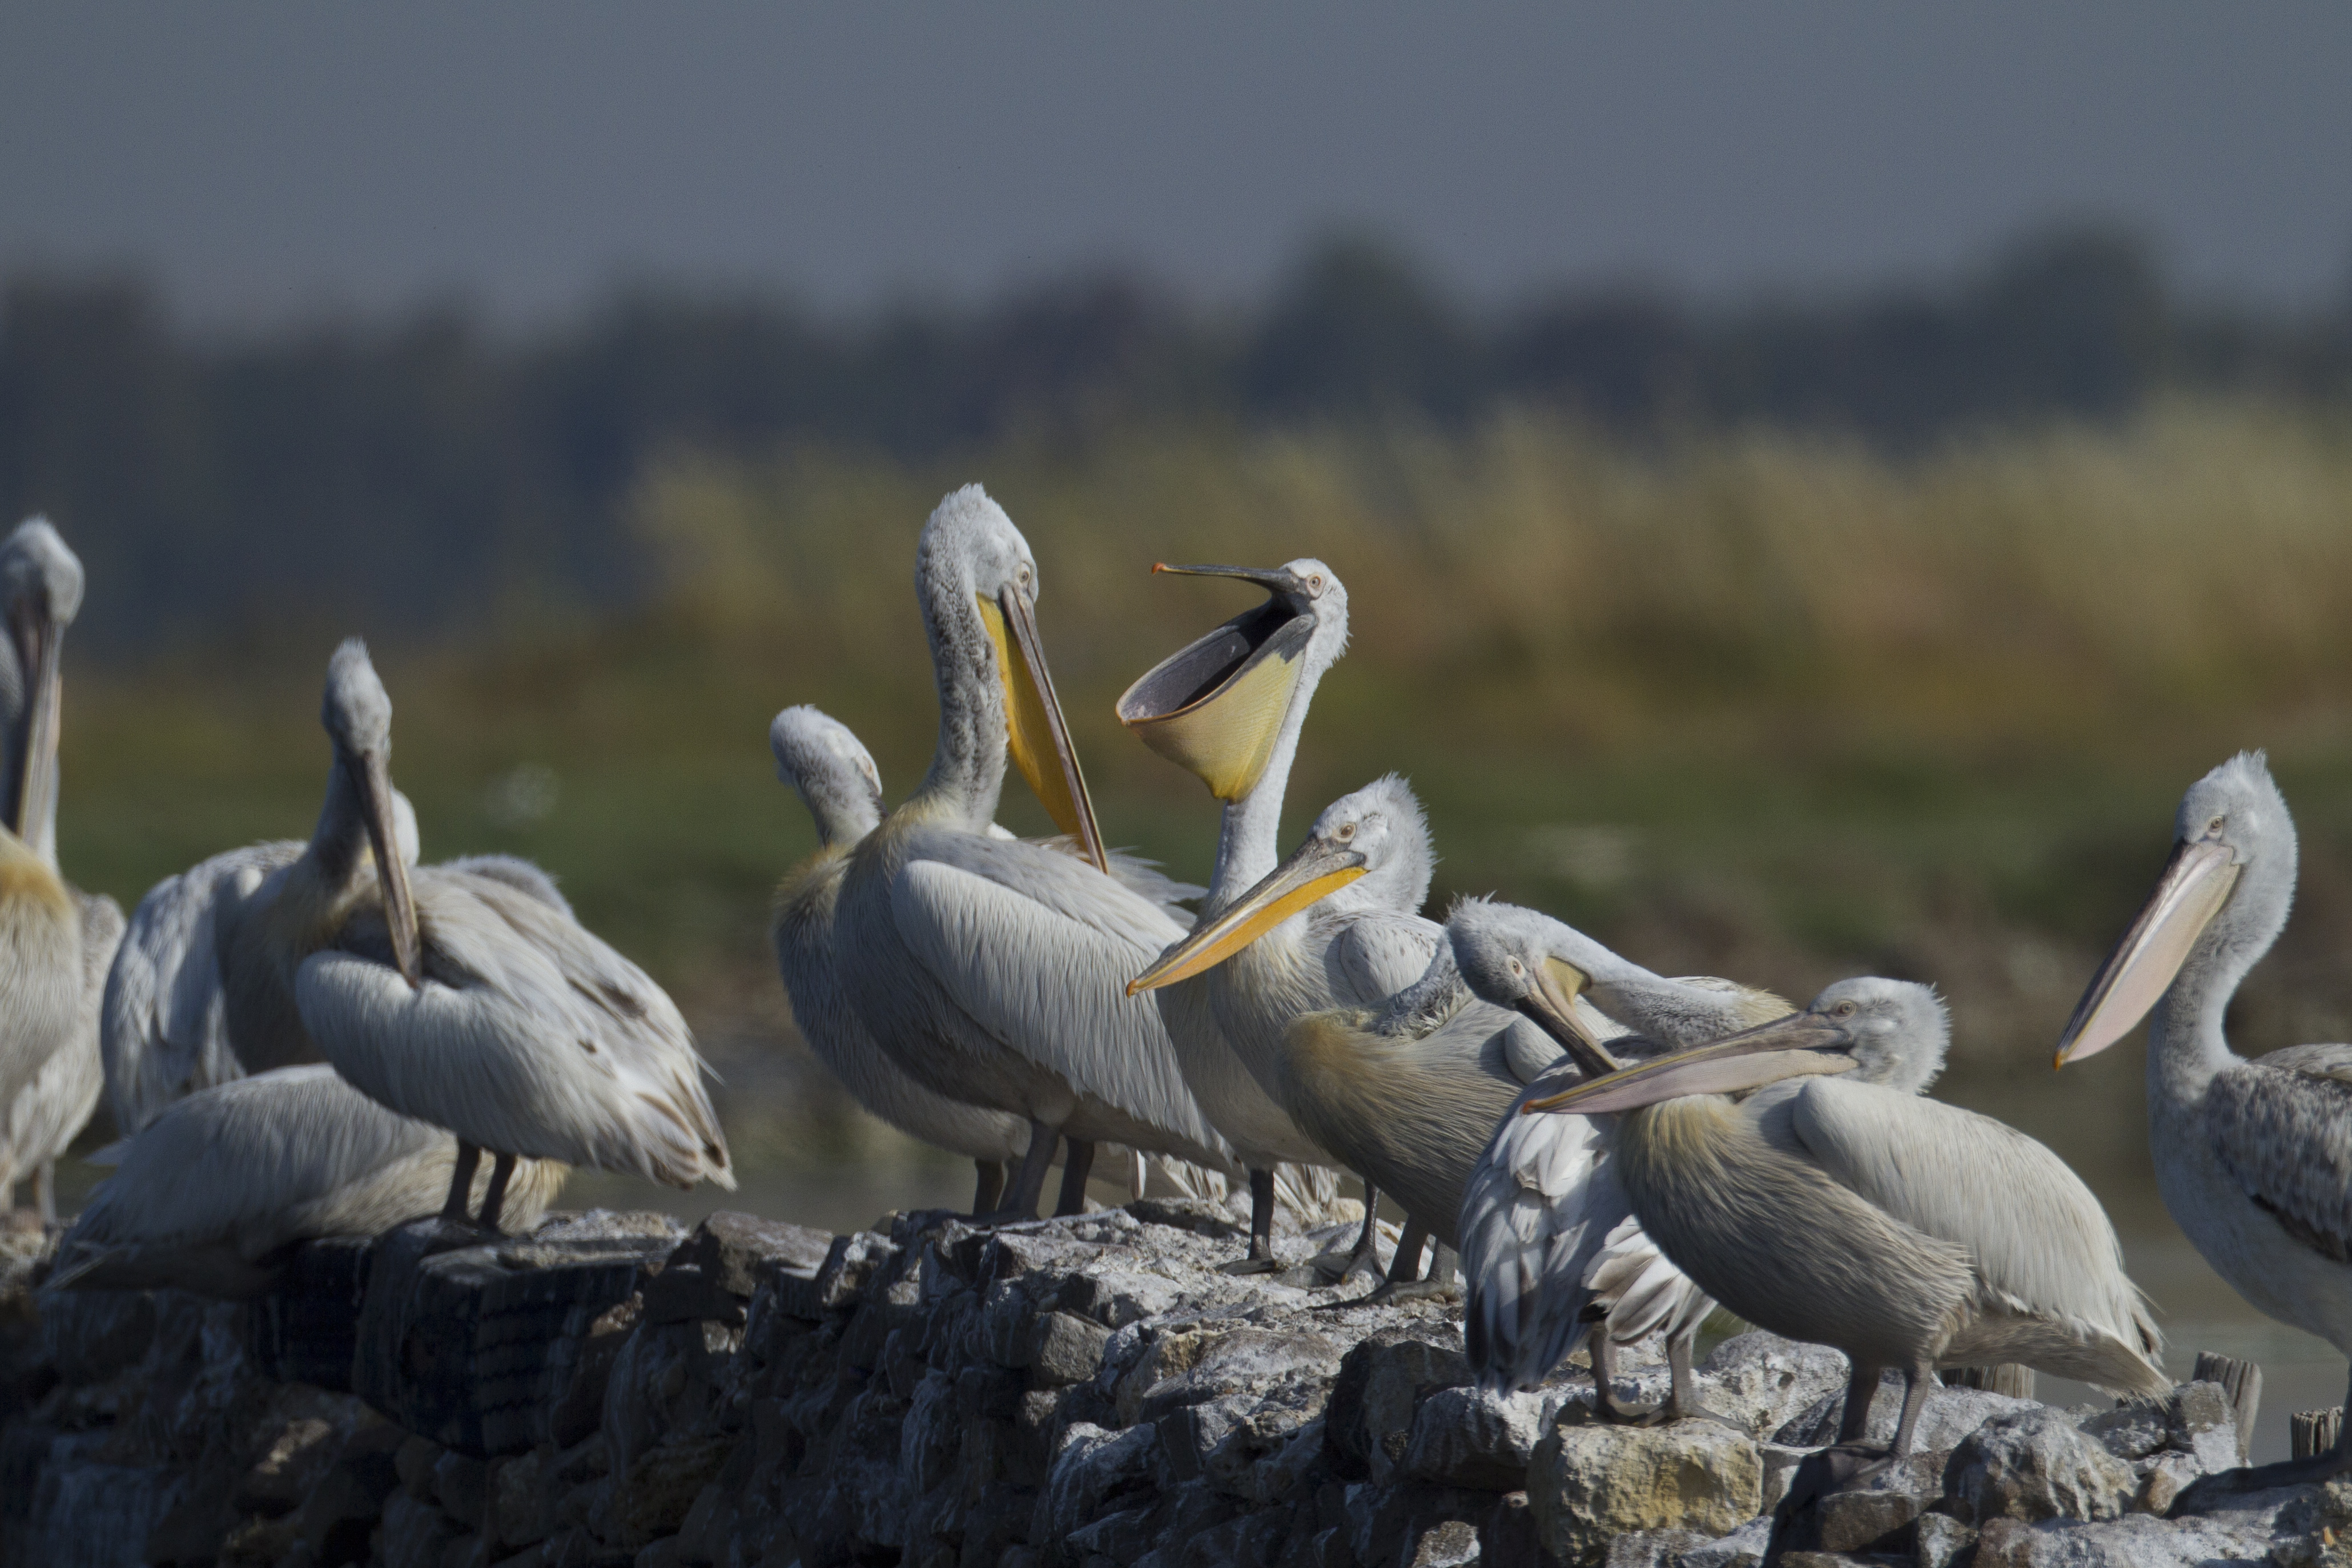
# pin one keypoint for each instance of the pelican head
(1504, 954)
(1217, 706)
(2234, 827)
(357, 714)
(1369, 850)
(971, 554)
(1888, 1032)
(40, 593)
(817, 755)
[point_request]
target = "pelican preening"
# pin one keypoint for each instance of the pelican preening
(992, 970)
(56, 941)
(1828, 1202)
(2253, 1158)
(1228, 708)
(1550, 1244)
(464, 995)
(210, 1194)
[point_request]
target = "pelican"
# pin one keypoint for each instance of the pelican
(1550, 1244)
(464, 995)
(1228, 708)
(58, 939)
(990, 969)
(1833, 1205)
(2253, 1158)
(213, 1191)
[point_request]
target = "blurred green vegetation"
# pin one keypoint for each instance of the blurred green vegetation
(1779, 706)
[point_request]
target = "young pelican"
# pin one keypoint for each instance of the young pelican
(464, 995)
(57, 939)
(1550, 1244)
(990, 969)
(211, 1193)
(1228, 708)
(1832, 1204)
(2253, 1158)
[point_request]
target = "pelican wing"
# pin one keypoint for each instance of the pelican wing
(1370, 955)
(2283, 1126)
(529, 1036)
(1536, 1212)
(517, 873)
(161, 1031)
(1133, 872)
(2041, 1245)
(1036, 947)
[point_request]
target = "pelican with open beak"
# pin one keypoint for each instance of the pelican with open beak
(1228, 708)
(990, 970)
(2254, 1157)
(1793, 1171)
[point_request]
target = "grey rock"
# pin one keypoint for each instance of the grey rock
(2132, 1430)
(1091, 1466)
(1381, 1382)
(1949, 1414)
(1781, 1465)
(1942, 1542)
(414, 1533)
(737, 1252)
(1743, 1547)
(2032, 1465)
(1387, 1526)
(1589, 1483)
(461, 1485)
(1651, 1548)
(1471, 1436)
(1244, 1359)
(2201, 1421)
(2134, 1541)
(1066, 1349)
(1763, 1381)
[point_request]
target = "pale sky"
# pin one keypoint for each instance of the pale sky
(261, 161)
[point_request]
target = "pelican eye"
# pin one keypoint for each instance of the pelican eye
(1344, 832)
(2213, 828)
(1516, 967)
(1316, 582)
(1842, 1010)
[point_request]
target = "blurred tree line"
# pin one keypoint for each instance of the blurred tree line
(407, 476)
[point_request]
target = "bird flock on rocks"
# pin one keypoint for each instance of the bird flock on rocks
(307, 1038)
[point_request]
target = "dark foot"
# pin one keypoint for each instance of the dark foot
(454, 1235)
(1834, 1470)
(1253, 1263)
(1338, 1268)
(1390, 1292)
(2218, 1490)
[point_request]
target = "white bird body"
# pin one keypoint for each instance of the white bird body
(222, 1179)
(1850, 1211)
(993, 970)
(43, 1122)
(464, 994)
(2253, 1158)
(164, 1032)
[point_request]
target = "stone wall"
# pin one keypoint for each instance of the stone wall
(1074, 1393)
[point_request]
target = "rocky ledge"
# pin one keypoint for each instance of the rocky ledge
(1085, 1393)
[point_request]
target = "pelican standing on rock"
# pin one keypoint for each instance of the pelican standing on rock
(1228, 708)
(55, 940)
(1550, 1244)
(464, 995)
(209, 1197)
(2253, 1158)
(1832, 1205)
(992, 970)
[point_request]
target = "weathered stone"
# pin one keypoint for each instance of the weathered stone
(1388, 1525)
(653, 1496)
(1763, 1381)
(1091, 1466)
(2132, 1430)
(1939, 1541)
(1243, 1359)
(1589, 1482)
(2201, 1421)
(1949, 1414)
(1368, 1421)
(1471, 1436)
(415, 1459)
(1876, 1515)
(1066, 1349)
(682, 1293)
(1743, 1547)
(739, 1252)
(1781, 1463)
(1651, 1548)
(296, 1457)
(2135, 1540)
(2162, 1480)
(414, 1533)
(461, 1485)
(518, 1499)
(2031, 1464)
(578, 1381)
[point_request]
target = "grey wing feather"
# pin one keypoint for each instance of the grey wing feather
(2283, 1127)
(161, 1029)
(517, 873)
(1374, 954)
(51, 1113)
(1132, 871)
(1037, 948)
(2041, 1245)
(528, 1037)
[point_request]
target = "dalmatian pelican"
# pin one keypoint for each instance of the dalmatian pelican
(57, 941)
(213, 1191)
(464, 995)
(1793, 1172)
(1550, 1244)
(2254, 1157)
(992, 970)
(1228, 708)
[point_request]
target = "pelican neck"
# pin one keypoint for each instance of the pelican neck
(967, 773)
(1249, 836)
(339, 843)
(2187, 1044)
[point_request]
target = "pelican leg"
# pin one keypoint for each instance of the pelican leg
(1605, 1403)
(1918, 1384)
(1860, 1388)
(494, 1197)
(1260, 1259)
(1077, 1160)
(461, 1182)
(1682, 1402)
(2217, 1490)
(989, 1188)
(1364, 1257)
(1029, 1185)
(45, 1190)
(1403, 1283)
